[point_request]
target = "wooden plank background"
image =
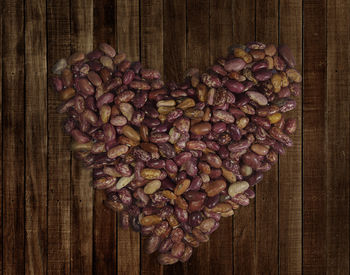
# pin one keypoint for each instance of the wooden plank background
(52, 222)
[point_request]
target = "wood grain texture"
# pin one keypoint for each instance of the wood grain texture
(314, 139)
(36, 138)
(290, 176)
(151, 18)
(13, 153)
(174, 47)
(2, 130)
(267, 235)
(82, 193)
(338, 132)
(221, 36)
(59, 156)
(244, 226)
(52, 222)
(198, 56)
(128, 37)
(105, 220)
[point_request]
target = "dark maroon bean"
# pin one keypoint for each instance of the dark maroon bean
(165, 245)
(125, 196)
(181, 215)
(177, 235)
(191, 167)
(168, 184)
(251, 160)
(152, 244)
(195, 219)
(182, 158)
(278, 147)
(156, 163)
(234, 86)
(255, 178)
(166, 211)
(223, 152)
(147, 230)
(150, 111)
(139, 99)
(151, 122)
(166, 150)
(219, 127)
(239, 146)
(194, 195)
(140, 154)
(212, 145)
(196, 183)
(210, 202)
(259, 65)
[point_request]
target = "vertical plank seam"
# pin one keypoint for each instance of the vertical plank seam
(24, 137)
(302, 139)
(186, 33)
(47, 142)
(70, 154)
(2, 146)
(326, 127)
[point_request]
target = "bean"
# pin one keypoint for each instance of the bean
(237, 187)
(290, 126)
(152, 187)
(129, 132)
(215, 188)
(166, 259)
(182, 186)
(201, 128)
(150, 174)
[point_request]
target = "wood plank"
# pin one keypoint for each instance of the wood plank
(129, 42)
(267, 191)
(174, 57)
(290, 173)
(338, 136)
(1, 168)
(314, 137)
(244, 246)
(36, 138)
(105, 220)
(13, 138)
(59, 156)
(174, 47)
(198, 56)
(198, 34)
(221, 37)
(82, 192)
(151, 20)
(151, 13)
(243, 13)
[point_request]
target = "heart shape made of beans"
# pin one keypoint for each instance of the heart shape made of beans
(175, 158)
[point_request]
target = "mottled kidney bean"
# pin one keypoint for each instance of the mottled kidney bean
(181, 214)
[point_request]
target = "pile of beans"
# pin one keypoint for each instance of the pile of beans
(175, 158)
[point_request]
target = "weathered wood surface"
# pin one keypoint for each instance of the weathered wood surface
(52, 222)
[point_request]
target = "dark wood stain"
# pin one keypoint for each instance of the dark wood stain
(52, 222)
